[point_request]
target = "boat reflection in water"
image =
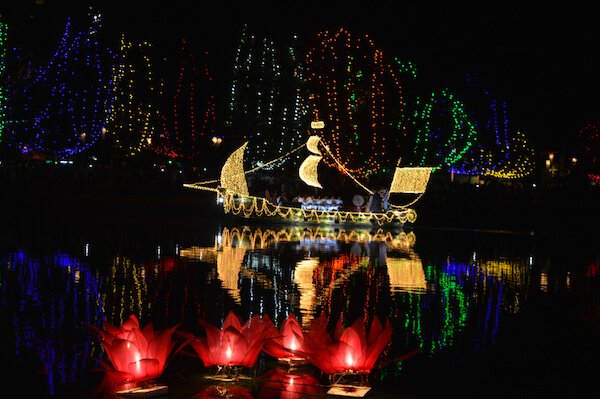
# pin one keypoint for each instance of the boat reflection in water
(447, 306)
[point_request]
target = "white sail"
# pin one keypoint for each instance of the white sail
(313, 144)
(308, 171)
(232, 174)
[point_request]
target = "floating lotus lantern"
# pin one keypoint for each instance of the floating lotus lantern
(234, 346)
(281, 384)
(137, 356)
(350, 355)
(288, 345)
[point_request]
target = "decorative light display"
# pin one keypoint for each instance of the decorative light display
(3, 39)
(445, 132)
(72, 294)
(410, 180)
(136, 354)
(490, 120)
(406, 275)
(288, 345)
(229, 260)
(267, 103)
(67, 99)
(258, 207)
(236, 199)
(519, 161)
(130, 125)
(234, 345)
(349, 352)
(233, 178)
(303, 278)
(308, 171)
(496, 152)
(187, 127)
(589, 135)
(358, 95)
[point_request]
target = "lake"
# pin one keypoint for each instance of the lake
(473, 312)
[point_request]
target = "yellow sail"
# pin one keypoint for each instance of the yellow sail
(233, 178)
(308, 171)
(410, 180)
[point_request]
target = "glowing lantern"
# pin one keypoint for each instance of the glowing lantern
(136, 354)
(288, 345)
(281, 384)
(350, 350)
(234, 344)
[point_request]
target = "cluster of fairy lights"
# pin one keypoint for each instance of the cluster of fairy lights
(352, 89)
(65, 99)
(590, 134)
(257, 238)
(186, 130)
(86, 93)
(128, 286)
(129, 123)
(495, 153)
(251, 206)
(3, 38)
(442, 141)
(521, 162)
(491, 123)
(265, 100)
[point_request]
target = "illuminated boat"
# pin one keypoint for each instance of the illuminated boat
(232, 193)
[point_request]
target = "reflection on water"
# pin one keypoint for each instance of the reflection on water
(440, 302)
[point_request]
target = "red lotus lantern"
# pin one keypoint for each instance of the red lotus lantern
(136, 355)
(288, 345)
(281, 384)
(350, 354)
(234, 345)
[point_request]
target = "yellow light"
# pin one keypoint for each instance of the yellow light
(232, 175)
(308, 171)
(410, 180)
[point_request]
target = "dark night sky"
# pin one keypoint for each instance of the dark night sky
(543, 59)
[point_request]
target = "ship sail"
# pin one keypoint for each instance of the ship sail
(410, 180)
(313, 144)
(233, 177)
(308, 171)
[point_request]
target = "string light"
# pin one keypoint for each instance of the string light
(308, 171)
(65, 98)
(353, 89)
(3, 38)
(188, 126)
(519, 164)
(132, 109)
(233, 178)
(410, 180)
(266, 100)
(438, 145)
